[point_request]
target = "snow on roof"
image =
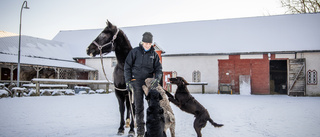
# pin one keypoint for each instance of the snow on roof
(43, 62)
(255, 34)
(7, 34)
(78, 40)
(35, 47)
(37, 51)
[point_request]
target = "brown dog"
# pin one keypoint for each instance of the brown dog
(186, 102)
(165, 104)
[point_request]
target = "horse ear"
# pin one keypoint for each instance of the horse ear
(109, 24)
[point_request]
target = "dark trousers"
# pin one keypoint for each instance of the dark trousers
(139, 105)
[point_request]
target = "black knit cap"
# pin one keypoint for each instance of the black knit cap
(147, 37)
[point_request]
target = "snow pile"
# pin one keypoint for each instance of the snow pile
(91, 92)
(57, 93)
(32, 92)
(83, 92)
(69, 92)
(3, 93)
(45, 93)
(98, 115)
(82, 89)
(101, 91)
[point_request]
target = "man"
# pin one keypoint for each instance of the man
(142, 62)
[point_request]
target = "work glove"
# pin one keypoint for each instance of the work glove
(129, 86)
(154, 83)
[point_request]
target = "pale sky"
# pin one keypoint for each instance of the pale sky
(46, 18)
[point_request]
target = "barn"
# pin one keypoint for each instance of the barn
(256, 55)
(40, 58)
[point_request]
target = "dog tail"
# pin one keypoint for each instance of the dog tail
(214, 123)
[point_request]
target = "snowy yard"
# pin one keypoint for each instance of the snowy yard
(97, 116)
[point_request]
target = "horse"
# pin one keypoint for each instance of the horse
(114, 39)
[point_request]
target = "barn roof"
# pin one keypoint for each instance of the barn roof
(297, 32)
(36, 51)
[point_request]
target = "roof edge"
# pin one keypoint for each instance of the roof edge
(237, 53)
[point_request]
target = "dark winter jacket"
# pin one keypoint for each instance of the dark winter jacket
(141, 64)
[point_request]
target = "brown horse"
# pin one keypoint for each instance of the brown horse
(114, 39)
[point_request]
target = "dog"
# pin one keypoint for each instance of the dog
(169, 118)
(155, 118)
(186, 102)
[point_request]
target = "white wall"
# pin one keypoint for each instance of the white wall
(185, 65)
(96, 63)
(208, 66)
(312, 63)
(289, 56)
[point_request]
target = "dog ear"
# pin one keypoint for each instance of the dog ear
(145, 89)
(184, 81)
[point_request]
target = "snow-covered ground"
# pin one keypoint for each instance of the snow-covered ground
(97, 116)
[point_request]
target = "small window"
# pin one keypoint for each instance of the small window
(312, 77)
(196, 76)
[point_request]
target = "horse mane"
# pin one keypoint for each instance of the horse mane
(126, 40)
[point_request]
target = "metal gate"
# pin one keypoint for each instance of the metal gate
(296, 77)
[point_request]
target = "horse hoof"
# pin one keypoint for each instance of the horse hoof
(131, 134)
(127, 123)
(120, 132)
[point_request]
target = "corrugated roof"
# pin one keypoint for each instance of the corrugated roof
(37, 51)
(43, 62)
(35, 47)
(255, 34)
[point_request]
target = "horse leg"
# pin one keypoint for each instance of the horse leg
(121, 101)
(128, 112)
(132, 123)
(130, 109)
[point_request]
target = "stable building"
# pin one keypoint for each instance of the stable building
(40, 58)
(256, 55)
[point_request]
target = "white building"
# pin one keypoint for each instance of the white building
(224, 50)
(39, 58)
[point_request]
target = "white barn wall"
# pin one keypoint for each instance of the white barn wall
(312, 63)
(254, 56)
(96, 63)
(185, 65)
(280, 56)
(208, 66)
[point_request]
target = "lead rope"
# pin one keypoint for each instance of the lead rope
(131, 96)
(104, 72)
(101, 58)
(100, 48)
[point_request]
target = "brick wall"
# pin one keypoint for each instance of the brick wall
(258, 69)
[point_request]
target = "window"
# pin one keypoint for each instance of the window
(196, 76)
(312, 76)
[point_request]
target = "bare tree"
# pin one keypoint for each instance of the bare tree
(301, 6)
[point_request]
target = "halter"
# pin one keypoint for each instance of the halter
(111, 42)
(100, 49)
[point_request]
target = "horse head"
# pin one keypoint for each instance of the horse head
(104, 43)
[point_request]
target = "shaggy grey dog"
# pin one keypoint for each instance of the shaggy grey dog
(169, 118)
